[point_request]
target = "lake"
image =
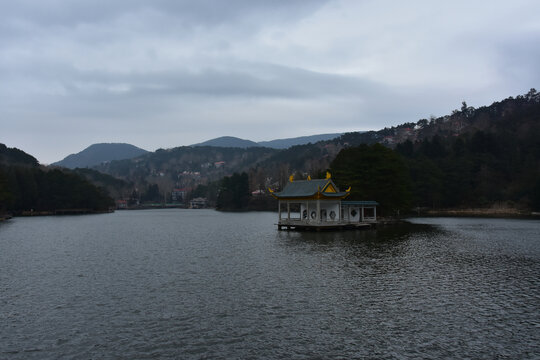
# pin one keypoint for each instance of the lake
(200, 284)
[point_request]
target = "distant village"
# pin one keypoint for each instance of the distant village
(181, 194)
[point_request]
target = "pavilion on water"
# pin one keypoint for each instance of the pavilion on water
(319, 204)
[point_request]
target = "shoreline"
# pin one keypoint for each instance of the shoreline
(501, 213)
(60, 212)
(479, 212)
(4, 217)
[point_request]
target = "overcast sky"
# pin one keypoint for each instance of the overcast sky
(166, 73)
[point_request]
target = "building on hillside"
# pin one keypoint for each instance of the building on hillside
(178, 195)
(319, 204)
(198, 203)
(121, 204)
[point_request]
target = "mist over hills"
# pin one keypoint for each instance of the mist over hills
(98, 153)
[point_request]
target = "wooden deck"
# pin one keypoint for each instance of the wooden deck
(301, 225)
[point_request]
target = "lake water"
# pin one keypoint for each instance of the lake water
(199, 284)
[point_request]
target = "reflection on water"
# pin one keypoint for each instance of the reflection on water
(203, 284)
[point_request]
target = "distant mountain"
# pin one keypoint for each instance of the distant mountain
(302, 140)
(228, 141)
(231, 141)
(100, 153)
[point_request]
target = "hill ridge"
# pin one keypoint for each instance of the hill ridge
(96, 154)
(284, 143)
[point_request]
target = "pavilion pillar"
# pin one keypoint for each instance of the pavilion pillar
(318, 211)
(375, 213)
(288, 210)
(307, 210)
(279, 209)
(362, 214)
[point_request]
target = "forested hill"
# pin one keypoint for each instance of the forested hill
(25, 186)
(511, 126)
(302, 140)
(98, 153)
(14, 156)
(502, 116)
(485, 158)
(185, 167)
(230, 141)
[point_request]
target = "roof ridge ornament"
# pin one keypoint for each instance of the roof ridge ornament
(328, 175)
(309, 177)
(291, 178)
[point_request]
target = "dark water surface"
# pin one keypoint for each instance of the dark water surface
(202, 284)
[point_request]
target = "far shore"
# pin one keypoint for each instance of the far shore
(494, 212)
(480, 212)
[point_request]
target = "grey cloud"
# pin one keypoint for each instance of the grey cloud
(206, 12)
(519, 58)
(249, 80)
(262, 80)
(160, 73)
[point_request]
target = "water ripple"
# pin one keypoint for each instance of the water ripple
(201, 284)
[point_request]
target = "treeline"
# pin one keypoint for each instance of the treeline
(116, 188)
(24, 186)
(16, 156)
(478, 170)
(233, 192)
(474, 170)
(374, 172)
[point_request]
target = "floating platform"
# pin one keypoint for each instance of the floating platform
(299, 225)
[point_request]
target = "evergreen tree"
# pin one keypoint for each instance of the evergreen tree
(374, 173)
(234, 192)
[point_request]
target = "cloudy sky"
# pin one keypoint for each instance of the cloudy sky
(166, 73)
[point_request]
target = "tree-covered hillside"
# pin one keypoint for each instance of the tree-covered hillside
(374, 172)
(24, 186)
(475, 170)
(14, 156)
(491, 159)
(472, 157)
(115, 187)
(185, 167)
